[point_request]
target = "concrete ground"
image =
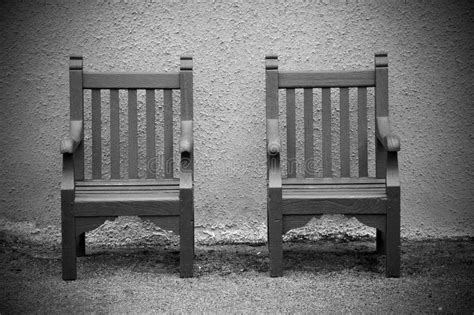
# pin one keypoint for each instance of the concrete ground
(326, 276)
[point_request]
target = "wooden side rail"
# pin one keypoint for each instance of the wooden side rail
(70, 144)
(390, 141)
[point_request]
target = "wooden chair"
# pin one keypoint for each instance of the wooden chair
(168, 201)
(293, 201)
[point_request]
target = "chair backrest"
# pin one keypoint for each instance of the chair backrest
(327, 82)
(95, 82)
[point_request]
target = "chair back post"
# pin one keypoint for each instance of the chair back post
(271, 70)
(381, 109)
(76, 109)
(272, 111)
(186, 88)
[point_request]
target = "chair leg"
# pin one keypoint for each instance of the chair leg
(275, 231)
(186, 233)
(81, 245)
(380, 242)
(392, 268)
(68, 232)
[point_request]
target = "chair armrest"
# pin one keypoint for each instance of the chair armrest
(273, 137)
(186, 140)
(70, 144)
(384, 133)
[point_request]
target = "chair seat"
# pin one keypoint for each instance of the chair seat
(127, 197)
(323, 188)
(334, 195)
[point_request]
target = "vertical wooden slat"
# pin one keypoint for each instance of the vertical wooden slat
(326, 131)
(291, 132)
(96, 135)
(151, 162)
(114, 135)
(308, 133)
(362, 131)
(76, 109)
(168, 132)
(344, 132)
(132, 134)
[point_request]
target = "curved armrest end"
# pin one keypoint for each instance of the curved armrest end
(392, 143)
(67, 146)
(384, 133)
(70, 144)
(274, 147)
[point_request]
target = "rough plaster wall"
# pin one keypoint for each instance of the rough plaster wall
(430, 50)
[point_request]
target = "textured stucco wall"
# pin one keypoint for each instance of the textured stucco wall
(430, 46)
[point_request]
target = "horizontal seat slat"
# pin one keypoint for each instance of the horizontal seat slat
(334, 192)
(119, 80)
(329, 195)
(331, 187)
(333, 181)
(87, 189)
(113, 197)
(129, 182)
(333, 195)
(326, 79)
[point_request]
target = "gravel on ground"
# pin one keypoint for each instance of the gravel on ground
(327, 276)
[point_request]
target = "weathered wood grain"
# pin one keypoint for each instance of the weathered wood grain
(132, 134)
(96, 80)
(362, 131)
(326, 79)
(96, 134)
(151, 163)
(309, 169)
(326, 132)
(291, 132)
(168, 133)
(344, 133)
(114, 134)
